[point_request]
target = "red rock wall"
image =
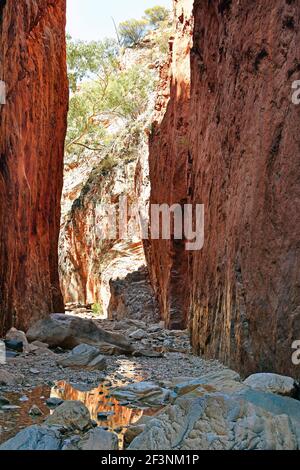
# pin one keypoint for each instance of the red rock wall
(242, 290)
(32, 131)
(169, 169)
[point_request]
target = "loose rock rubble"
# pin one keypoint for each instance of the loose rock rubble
(192, 403)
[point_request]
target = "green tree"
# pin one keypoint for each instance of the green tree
(132, 32)
(157, 15)
(103, 95)
(88, 59)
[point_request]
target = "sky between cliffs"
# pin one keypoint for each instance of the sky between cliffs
(91, 19)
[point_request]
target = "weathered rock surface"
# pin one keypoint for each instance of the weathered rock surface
(87, 261)
(67, 332)
(147, 393)
(219, 422)
(273, 383)
(17, 335)
(32, 131)
(224, 381)
(131, 296)
(99, 439)
(73, 415)
(9, 379)
(35, 438)
(84, 356)
(169, 170)
(132, 432)
(232, 145)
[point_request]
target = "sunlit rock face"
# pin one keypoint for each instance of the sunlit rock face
(241, 159)
(32, 131)
(95, 269)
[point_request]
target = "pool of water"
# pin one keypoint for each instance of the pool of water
(115, 416)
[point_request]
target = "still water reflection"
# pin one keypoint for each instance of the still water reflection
(113, 415)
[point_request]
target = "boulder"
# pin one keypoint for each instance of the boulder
(99, 363)
(71, 443)
(35, 411)
(225, 380)
(34, 438)
(84, 356)
(275, 404)
(147, 393)
(13, 345)
(18, 336)
(217, 422)
(10, 408)
(110, 350)
(147, 353)
(99, 439)
(67, 332)
(138, 334)
(132, 432)
(54, 402)
(273, 383)
(8, 379)
(40, 345)
(72, 415)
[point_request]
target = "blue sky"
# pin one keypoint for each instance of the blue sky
(91, 19)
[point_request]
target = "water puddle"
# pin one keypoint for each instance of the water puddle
(107, 411)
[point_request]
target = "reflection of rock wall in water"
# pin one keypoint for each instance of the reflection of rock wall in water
(97, 401)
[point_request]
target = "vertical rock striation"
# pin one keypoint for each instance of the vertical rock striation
(242, 289)
(32, 131)
(169, 169)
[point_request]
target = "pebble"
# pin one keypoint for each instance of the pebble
(35, 411)
(23, 399)
(53, 402)
(4, 401)
(10, 408)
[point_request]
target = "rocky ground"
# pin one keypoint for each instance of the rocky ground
(31, 369)
(84, 383)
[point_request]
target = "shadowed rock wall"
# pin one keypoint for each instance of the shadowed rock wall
(32, 132)
(241, 291)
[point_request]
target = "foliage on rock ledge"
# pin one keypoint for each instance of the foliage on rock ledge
(110, 88)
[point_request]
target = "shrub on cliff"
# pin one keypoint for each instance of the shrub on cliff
(104, 96)
(132, 32)
(90, 59)
(157, 15)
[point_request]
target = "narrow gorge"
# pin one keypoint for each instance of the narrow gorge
(131, 341)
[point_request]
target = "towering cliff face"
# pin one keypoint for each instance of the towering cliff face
(88, 261)
(169, 169)
(32, 131)
(243, 286)
(98, 270)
